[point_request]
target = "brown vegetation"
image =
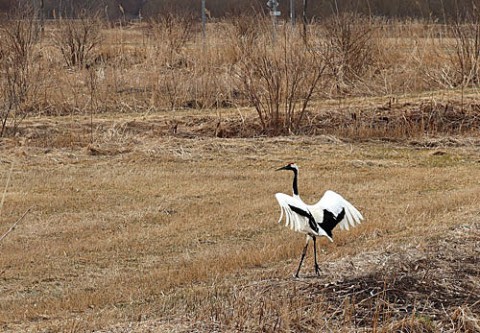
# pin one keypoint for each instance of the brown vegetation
(146, 169)
(84, 67)
(169, 233)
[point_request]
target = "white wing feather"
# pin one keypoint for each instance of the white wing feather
(293, 220)
(334, 203)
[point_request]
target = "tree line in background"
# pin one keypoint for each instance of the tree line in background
(433, 10)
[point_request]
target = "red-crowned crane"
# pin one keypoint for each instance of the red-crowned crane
(315, 220)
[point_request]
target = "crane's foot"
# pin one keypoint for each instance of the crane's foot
(317, 270)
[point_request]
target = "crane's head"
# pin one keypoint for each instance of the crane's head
(290, 166)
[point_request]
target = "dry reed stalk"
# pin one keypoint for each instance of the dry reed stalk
(14, 225)
(2, 201)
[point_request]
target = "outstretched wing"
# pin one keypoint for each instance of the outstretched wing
(334, 210)
(293, 220)
(297, 215)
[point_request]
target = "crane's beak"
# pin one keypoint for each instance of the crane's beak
(282, 168)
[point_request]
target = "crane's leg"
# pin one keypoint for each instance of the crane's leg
(317, 269)
(303, 256)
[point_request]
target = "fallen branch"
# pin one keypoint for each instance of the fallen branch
(14, 225)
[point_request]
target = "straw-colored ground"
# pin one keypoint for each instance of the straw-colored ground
(147, 180)
(144, 232)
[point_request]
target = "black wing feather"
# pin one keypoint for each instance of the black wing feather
(311, 220)
(330, 221)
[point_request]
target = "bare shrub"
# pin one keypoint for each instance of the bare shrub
(349, 48)
(457, 57)
(78, 40)
(245, 31)
(280, 80)
(465, 59)
(17, 70)
(170, 33)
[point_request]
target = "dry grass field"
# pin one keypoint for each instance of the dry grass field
(147, 177)
(148, 233)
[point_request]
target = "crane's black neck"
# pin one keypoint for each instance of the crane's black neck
(295, 181)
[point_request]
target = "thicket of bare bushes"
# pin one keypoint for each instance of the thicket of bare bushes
(86, 67)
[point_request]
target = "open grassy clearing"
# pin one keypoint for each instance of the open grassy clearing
(151, 232)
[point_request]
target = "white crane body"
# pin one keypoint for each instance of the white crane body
(316, 220)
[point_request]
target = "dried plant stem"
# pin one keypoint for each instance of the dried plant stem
(2, 202)
(5, 190)
(15, 224)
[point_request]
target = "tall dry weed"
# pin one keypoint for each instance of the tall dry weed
(170, 34)
(167, 64)
(174, 60)
(350, 46)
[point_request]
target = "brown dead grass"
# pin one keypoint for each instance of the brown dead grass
(410, 119)
(134, 70)
(162, 232)
(149, 220)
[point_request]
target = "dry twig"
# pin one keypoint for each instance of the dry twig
(15, 224)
